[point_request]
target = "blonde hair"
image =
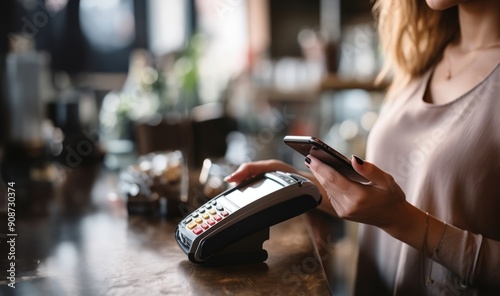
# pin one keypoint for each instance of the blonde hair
(413, 37)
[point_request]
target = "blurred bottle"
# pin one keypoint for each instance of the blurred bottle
(26, 158)
(122, 109)
(24, 71)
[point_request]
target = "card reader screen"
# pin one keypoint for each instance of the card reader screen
(253, 191)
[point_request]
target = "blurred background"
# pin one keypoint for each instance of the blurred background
(148, 102)
(125, 75)
(154, 90)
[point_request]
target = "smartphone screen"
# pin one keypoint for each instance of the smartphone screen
(306, 145)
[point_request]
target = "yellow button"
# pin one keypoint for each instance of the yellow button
(205, 216)
(198, 220)
(191, 225)
(212, 212)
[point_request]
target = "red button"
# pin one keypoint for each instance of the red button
(197, 230)
(210, 222)
(204, 226)
(224, 213)
(217, 218)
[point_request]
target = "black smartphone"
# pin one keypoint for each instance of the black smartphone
(310, 145)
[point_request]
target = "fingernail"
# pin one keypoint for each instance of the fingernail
(359, 160)
(308, 160)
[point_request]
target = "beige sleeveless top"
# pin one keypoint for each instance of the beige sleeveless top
(446, 158)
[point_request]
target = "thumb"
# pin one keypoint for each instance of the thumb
(375, 175)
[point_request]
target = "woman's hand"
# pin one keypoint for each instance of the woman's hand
(251, 169)
(381, 203)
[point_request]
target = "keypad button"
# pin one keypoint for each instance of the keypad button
(219, 208)
(204, 226)
(224, 213)
(217, 218)
(195, 215)
(198, 220)
(191, 225)
(212, 212)
(214, 202)
(205, 216)
(187, 220)
(201, 211)
(197, 230)
(208, 206)
(211, 222)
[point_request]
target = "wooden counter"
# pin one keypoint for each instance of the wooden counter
(104, 251)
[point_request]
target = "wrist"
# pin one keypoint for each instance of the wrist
(409, 225)
(417, 229)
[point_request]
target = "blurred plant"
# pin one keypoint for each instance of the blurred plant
(152, 93)
(186, 71)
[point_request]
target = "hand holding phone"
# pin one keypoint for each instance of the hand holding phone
(306, 145)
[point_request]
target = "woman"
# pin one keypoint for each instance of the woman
(431, 215)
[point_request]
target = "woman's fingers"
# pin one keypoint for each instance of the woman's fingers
(338, 188)
(328, 176)
(374, 203)
(251, 169)
(243, 172)
(376, 176)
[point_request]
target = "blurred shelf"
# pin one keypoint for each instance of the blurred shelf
(100, 81)
(297, 96)
(330, 83)
(334, 82)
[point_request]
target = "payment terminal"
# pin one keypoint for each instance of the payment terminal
(231, 228)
